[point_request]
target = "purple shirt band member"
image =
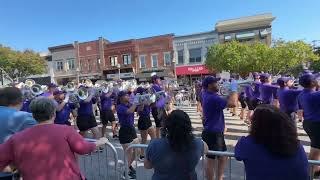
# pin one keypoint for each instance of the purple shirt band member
(106, 101)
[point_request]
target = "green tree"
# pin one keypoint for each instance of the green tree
(282, 58)
(21, 63)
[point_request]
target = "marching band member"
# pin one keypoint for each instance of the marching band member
(268, 91)
(63, 107)
(106, 113)
(127, 132)
(288, 98)
(158, 108)
(214, 124)
(144, 121)
(309, 102)
(51, 88)
(85, 117)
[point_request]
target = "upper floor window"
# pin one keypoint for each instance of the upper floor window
(88, 48)
(59, 66)
(114, 60)
(154, 60)
(227, 37)
(89, 65)
(126, 59)
(71, 64)
(180, 57)
(142, 61)
(195, 55)
(167, 58)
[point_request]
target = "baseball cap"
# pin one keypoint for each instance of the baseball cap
(255, 75)
(265, 76)
(52, 85)
(155, 77)
(281, 81)
(58, 92)
(140, 90)
(306, 79)
(208, 80)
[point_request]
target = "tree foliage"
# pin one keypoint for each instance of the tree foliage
(21, 63)
(243, 58)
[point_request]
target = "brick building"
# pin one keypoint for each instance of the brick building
(155, 54)
(119, 60)
(90, 57)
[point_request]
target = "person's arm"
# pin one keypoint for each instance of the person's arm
(132, 109)
(147, 159)
(240, 150)
(6, 154)
(78, 144)
(140, 107)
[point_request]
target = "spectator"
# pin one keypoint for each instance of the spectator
(176, 156)
(272, 149)
(46, 151)
(11, 119)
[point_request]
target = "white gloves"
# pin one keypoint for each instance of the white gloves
(66, 98)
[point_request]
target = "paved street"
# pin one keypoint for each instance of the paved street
(94, 165)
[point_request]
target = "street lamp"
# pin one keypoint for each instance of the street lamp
(118, 66)
(78, 78)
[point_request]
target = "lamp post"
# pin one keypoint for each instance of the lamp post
(174, 68)
(118, 66)
(78, 78)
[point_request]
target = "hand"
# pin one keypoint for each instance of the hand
(101, 141)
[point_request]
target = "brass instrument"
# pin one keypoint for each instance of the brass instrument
(29, 83)
(36, 89)
(83, 93)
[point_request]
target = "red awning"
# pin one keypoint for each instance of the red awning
(191, 70)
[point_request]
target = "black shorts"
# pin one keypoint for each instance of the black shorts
(86, 122)
(242, 102)
(127, 134)
(312, 129)
(254, 103)
(144, 123)
(215, 142)
(159, 116)
(107, 116)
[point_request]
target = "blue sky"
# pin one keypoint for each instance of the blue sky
(38, 24)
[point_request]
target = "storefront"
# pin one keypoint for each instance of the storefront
(189, 74)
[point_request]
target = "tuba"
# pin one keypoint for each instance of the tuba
(36, 89)
(29, 83)
(88, 83)
(83, 93)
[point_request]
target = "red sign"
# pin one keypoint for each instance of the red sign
(191, 70)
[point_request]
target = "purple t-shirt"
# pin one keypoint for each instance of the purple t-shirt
(160, 102)
(268, 93)
(256, 89)
(248, 91)
(62, 116)
(261, 164)
(288, 99)
(145, 111)
(106, 102)
(25, 106)
(86, 108)
(309, 101)
(47, 94)
(213, 106)
(125, 119)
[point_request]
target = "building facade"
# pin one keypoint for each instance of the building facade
(190, 55)
(155, 55)
(248, 29)
(91, 60)
(64, 63)
(119, 60)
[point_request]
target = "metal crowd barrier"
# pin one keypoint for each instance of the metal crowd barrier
(201, 170)
(102, 164)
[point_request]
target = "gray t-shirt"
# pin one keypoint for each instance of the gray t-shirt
(170, 165)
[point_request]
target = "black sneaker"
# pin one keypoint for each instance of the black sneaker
(141, 158)
(115, 136)
(131, 169)
(132, 174)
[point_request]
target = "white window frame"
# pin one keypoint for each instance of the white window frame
(145, 63)
(128, 60)
(152, 65)
(73, 63)
(164, 58)
(113, 60)
(57, 65)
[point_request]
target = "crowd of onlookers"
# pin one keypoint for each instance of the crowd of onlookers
(40, 149)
